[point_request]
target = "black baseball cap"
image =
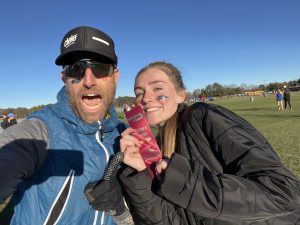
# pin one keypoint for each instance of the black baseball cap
(86, 43)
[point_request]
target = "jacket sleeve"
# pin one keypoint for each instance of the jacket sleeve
(23, 148)
(253, 183)
(146, 207)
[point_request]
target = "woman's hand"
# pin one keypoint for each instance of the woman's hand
(130, 146)
(160, 167)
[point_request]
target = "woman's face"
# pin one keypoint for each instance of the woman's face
(157, 95)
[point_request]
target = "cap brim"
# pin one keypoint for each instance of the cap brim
(72, 57)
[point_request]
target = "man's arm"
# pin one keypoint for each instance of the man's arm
(23, 148)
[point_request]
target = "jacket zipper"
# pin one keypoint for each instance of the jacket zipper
(99, 137)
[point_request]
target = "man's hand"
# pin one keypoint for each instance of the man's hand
(106, 196)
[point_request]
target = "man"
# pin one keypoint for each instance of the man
(49, 158)
(287, 98)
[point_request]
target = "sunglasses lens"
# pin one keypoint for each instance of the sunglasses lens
(77, 70)
(101, 70)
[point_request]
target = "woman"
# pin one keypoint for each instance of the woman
(279, 100)
(217, 168)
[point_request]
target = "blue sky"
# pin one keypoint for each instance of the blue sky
(225, 41)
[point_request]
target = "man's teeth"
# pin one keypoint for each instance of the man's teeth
(92, 101)
(90, 95)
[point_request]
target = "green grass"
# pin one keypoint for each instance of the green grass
(281, 128)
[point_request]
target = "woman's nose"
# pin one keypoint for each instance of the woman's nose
(148, 97)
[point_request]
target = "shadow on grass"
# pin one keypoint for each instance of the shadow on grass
(254, 109)
(283, 117)
(267, 112)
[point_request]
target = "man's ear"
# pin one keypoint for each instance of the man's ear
(116, 75)
(63, 77)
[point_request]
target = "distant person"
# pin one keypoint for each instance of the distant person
(8, 120)
(279, 97)
(287, 98)
(4, 121)
(217, 168)
(201, 98)
(47, 160)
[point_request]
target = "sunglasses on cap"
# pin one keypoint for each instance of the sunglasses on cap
(77, 70)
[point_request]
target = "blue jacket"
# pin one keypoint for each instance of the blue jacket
(77, 154)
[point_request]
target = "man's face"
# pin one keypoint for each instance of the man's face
(91, 97)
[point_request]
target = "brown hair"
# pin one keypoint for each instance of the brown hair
(167, 134)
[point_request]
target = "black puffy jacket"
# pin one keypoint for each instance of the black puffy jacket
(223, 172)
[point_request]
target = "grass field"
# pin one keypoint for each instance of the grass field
(281, 128)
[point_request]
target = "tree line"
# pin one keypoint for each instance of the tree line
(218, 90)
(211, 90)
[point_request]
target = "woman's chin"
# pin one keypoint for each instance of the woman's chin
(154, 122)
